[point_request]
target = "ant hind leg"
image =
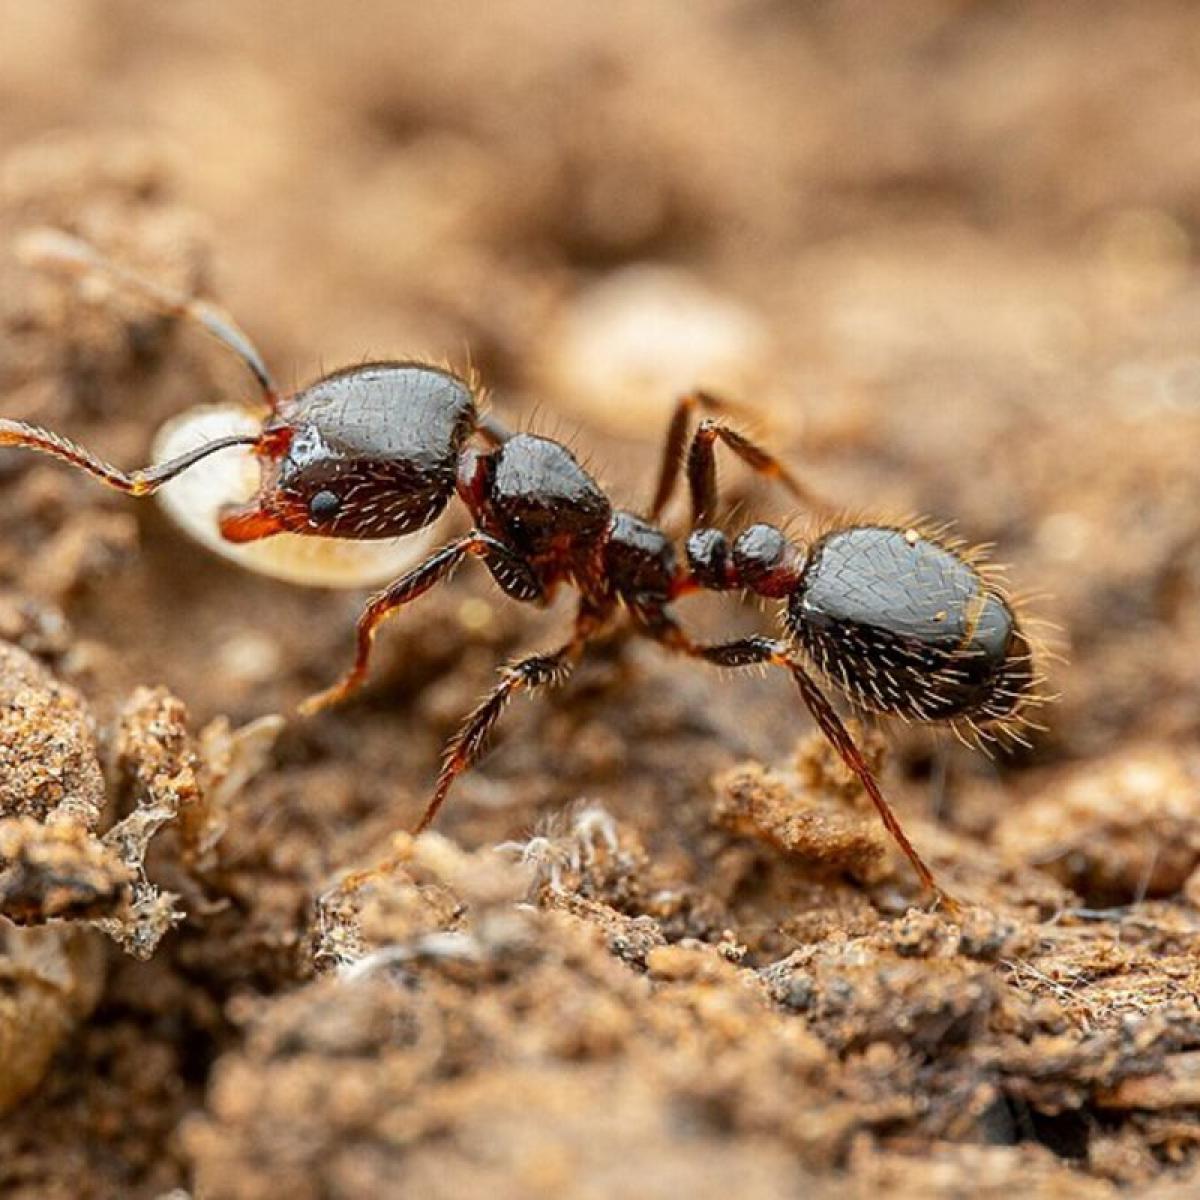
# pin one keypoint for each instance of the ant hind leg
(762, 651)
(676, 441)
(700, 459)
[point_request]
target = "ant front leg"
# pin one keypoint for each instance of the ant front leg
(527, 674)
(519, 579)
(762, 651)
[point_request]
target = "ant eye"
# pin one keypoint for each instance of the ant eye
(324, 506)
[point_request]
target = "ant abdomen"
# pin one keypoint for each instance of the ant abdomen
(907, 626)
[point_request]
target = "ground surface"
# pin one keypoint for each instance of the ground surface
(948, 249)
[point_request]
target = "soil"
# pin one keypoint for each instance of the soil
(657, 945)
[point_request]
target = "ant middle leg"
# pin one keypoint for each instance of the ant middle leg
(763, 651)
(527, 674)
(519, 580)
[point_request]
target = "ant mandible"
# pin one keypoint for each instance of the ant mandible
(897, 619)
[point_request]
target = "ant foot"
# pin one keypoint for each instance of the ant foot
(944, 902)
(319, 701)
(352, 883)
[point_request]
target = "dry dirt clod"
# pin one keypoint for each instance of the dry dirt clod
(50, 980)
(51, 868)
(809, 813)
(48, 765)
(1115, 831)
(485, 1029)
(173, 778)
(58, 873)
(52, 864)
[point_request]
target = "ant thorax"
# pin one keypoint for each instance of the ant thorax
(544, 500)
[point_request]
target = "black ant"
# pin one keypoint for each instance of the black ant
(899, 620)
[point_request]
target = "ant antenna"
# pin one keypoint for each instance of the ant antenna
(135, 483)
(58, 252)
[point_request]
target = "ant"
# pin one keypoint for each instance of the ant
(898, 619)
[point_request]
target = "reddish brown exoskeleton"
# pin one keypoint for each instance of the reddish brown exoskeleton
(900, 622)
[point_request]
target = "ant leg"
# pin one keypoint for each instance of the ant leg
(701, 466)
(761, 651)
(54, 250)
(134, 483)
(673, 447)
(702, 469)
(832, 727)
(527, 674)
(407, 588)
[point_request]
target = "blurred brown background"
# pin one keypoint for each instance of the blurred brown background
(947, 248)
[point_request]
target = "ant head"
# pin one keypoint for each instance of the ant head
(368, 452)
(761, 560)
